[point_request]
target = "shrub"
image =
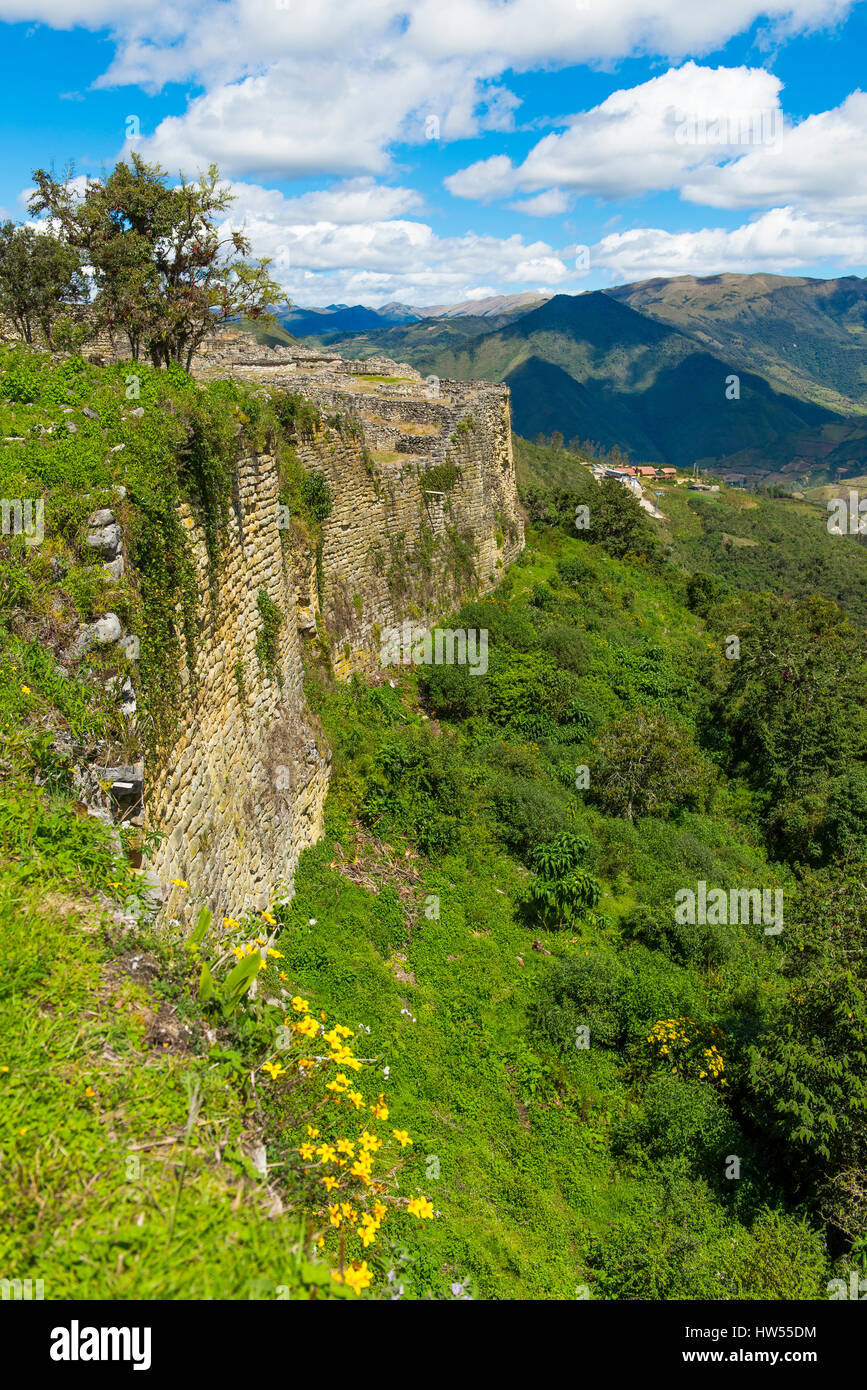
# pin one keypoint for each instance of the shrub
(568, 647)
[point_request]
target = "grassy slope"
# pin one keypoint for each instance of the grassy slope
(518, 1142)
(789, 549)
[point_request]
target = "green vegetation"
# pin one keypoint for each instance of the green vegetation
(266, 642)
(558, 1072)
(536, 911)
(42, 286)
(162, 273)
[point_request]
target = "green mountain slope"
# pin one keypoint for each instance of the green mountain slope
(646, 367)
(806, 336)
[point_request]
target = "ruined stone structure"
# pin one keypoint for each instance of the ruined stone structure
(241, 792)
(402, 541)
(424, 514)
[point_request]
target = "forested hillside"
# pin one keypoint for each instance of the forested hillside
(552, 1085)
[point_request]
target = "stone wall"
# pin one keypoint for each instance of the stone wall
(394, 547)
(240, 792)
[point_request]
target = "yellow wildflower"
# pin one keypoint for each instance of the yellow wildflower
(274, 1069)
(358, 1276)
(420, 1207)
(402, 1137)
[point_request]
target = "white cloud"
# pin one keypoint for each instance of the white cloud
(549, 204)
(818, 164)
(636, 141)
(781, 240)
(330, 87)
(322, 260)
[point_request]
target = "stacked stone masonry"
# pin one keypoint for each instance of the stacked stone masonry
(240, 793)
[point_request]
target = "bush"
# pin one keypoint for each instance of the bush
(527, 811)
(618, 997)
(568, 647)
(453, 692)
(681, 1122)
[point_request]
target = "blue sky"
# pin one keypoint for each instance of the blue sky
(434, 150)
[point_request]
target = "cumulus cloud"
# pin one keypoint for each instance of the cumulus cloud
(781, 240)
(321, 260)
(293, 85)
(818, 164)
(642, 139)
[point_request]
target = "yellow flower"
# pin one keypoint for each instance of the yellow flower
(339, 1083)
(312, 1133)
(343, 1031)
(274, 1069)
(307, 1027)
(349, 1211)
(380, 1211)
(277, 954)
(329, 1183)
(300, 1005)
(89, 1091)
(327, 1153)
(420, 1207)
(307, 1151)
(370, 1142)
(25, 690)
(334, 1215)
(230, 922)
(180, 883)
(356, 1098)
(282, 974)
(361, 1171)
(402, 1137)
(344, 1147)
(379, 1111)
(358, 1276)
(367, 1235)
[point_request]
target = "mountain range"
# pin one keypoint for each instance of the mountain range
(762, 375)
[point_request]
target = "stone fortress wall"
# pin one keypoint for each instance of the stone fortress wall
(393, 548)
(240, 792)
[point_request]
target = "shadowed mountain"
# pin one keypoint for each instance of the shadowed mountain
(806, 336)
(649, 367)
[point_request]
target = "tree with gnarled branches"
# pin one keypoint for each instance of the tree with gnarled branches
(164, 272)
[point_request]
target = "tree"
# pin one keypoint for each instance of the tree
(795, 708)
(561, 890)
(619, 524)
(42, 283)
(647, 765)
(163, 272)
